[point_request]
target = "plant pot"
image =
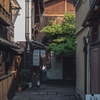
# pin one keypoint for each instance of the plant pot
(19, 89)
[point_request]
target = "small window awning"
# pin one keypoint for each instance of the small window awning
(93, 15)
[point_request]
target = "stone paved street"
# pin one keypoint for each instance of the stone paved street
(47, 92)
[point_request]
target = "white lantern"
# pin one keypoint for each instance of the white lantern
(43, 53)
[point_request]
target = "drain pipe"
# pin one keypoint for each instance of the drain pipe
(27, 30)
(27, 20)
(85, 63)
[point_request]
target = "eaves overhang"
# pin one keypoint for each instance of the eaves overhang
(93, 14)
(37, 44)
(9, 44)
(18, 51)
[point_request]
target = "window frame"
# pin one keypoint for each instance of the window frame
(95, 36)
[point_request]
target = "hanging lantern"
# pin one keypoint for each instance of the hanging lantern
(43, 53)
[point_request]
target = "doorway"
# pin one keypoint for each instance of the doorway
(69, 69)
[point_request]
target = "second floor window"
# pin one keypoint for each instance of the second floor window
(95, 34)
(3, 32)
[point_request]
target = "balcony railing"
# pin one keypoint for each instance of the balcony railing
(4, 17)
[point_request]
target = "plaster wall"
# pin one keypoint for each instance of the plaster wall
(19, 30)
(56, 70)
(80, 62)
(81, 13)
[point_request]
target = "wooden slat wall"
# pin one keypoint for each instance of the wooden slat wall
(7, 87)
(70, 6)
(5, 4)
(4, 88)
(95, 71)
(1, 98)
(55, 7)
(1, 2)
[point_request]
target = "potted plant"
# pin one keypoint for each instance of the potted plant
(19, 87)
(24, 75)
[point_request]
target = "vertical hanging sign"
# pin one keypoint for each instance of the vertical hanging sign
(36, 58)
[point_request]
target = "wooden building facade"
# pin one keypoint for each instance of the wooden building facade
(53, 10)
(88, 47)
(92, 21)
(9, 51)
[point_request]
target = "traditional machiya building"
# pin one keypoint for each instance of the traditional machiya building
(87, 48)
(54, 10)
(9, 51)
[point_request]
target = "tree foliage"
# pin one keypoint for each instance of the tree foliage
(60, 37)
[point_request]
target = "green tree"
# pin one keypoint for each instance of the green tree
(60, 38)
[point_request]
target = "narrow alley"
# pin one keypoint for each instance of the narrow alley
(48, 92)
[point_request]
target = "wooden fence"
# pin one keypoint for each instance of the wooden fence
(7, 87)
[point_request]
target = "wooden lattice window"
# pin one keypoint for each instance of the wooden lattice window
(95, 35)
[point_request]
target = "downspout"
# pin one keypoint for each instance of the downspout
(27, 20)
(85, 64)
(26, 29)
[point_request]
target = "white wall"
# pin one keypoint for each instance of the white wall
(56, 70)
(20, 22)
(19, 34)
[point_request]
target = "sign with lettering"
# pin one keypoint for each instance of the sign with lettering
(92, 97)
(36, 58)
